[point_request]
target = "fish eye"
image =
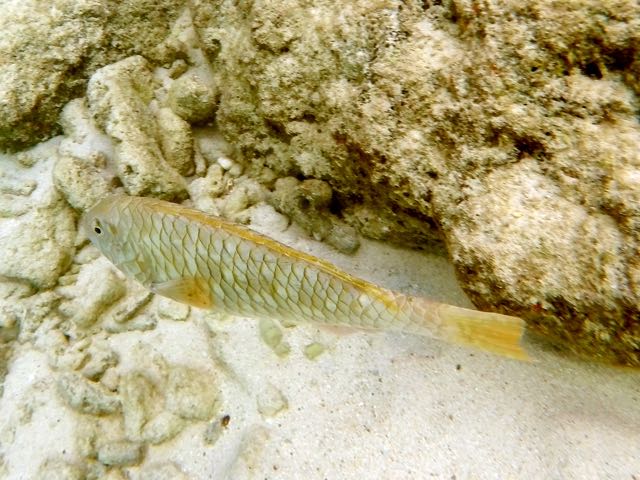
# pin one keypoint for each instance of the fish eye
(101, 227)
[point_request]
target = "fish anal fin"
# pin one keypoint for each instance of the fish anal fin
(189, 290)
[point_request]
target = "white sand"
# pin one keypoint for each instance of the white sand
(371, 406)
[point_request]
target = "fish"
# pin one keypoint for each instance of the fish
(210, 263)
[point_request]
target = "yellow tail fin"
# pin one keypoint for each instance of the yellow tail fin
(493, 332)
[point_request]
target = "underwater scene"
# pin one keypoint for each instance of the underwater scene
(287, 239)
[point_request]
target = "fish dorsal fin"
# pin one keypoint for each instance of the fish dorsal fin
(189, 290)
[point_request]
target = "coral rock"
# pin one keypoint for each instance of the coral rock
(119, 97)
(424, 118)
(46, 55)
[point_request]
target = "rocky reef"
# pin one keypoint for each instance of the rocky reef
(504, 133)
(508, 133)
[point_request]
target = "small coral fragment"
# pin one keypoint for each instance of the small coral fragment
(90, 299)
(120, 454)
(271, 334)
(119, 97)
(140, 402)
(58, 469)
(176, 141)
(191, 393)
(192, 98)
(162, 427)
(271, 402)
(85, 396)
(314, 350)
(307, 203)
(171, 310)
(80, 181)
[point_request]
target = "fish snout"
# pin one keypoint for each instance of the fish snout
(96, 221)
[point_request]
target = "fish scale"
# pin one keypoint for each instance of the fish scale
(210, 263)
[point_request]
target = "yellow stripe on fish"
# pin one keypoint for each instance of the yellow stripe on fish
(207, 262)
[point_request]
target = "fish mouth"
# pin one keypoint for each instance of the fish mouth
(87, 221)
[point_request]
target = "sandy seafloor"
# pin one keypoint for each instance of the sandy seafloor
(373, 405)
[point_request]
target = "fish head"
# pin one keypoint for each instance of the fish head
(100, 223)
(107, 224)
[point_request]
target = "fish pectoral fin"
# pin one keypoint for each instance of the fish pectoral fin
(189, 290)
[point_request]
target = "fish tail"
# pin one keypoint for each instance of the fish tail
(493, 332)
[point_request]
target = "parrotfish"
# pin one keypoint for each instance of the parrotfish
(210, 263)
